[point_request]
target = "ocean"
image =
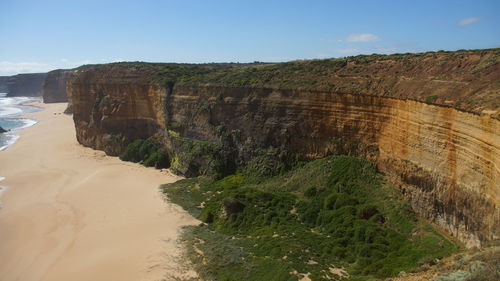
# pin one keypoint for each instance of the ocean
(11, 109)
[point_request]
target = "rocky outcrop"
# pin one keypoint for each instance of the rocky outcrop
(2, 130)
(112, 108)
(54, 86)
(25, 84)
(444, 160)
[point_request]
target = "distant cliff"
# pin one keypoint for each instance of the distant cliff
(25, 84)
(54, 86)
(406, 113)
(51, 85)
(3, 84)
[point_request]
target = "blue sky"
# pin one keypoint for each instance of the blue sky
(45, 35)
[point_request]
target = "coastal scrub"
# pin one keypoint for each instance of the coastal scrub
(329, 219)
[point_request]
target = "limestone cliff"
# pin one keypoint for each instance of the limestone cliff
(115, 106)
(445, 160)
(54, 86)
(29, 84)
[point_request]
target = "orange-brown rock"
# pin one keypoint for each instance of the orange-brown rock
(54, 86)
(447, 162)
(111, 108)
(444, 160)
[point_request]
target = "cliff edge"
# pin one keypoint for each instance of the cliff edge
(54, 86)
(428, 121)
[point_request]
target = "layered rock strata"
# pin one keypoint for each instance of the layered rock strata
(444, 160)
(112, 108)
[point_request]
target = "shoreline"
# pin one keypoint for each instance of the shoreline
(12, 134)
(73, 213)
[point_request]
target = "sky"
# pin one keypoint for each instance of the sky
(39, 36)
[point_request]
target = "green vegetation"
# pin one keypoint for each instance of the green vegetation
(300, 74)
(194, 157)
(294, 74)
(487, 62)
(318, 218)
(468, 265)
(148, 152)
(431, 99)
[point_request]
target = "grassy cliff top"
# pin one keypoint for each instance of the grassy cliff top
(467, 79)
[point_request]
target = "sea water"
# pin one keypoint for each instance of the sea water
(11, 110)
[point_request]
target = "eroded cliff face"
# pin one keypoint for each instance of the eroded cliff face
(445, 161)
(112, 108)
(54, 86)
(25, 84)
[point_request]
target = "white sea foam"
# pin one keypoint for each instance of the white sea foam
(11, 108)
(11, 138)
(14, 100)
(9, 111)
(2, 189)
(27, 123)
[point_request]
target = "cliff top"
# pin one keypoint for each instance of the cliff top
(465, 79)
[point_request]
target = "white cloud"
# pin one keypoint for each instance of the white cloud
(365, 37)
(468, 21)
(12, 68)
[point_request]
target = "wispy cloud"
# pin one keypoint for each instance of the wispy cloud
(364, 37)
(12, 68)
(468, 21)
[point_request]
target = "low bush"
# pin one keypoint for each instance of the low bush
(431, 99)
(342, 216)
(148, 152)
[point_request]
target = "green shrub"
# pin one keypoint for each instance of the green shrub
(132, 153)
(340, 214)
(431, 99)
(157, 159)
(148, 151)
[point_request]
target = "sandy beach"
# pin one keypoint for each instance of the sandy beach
(72, 213)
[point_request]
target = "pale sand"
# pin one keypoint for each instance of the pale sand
(72, 213)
